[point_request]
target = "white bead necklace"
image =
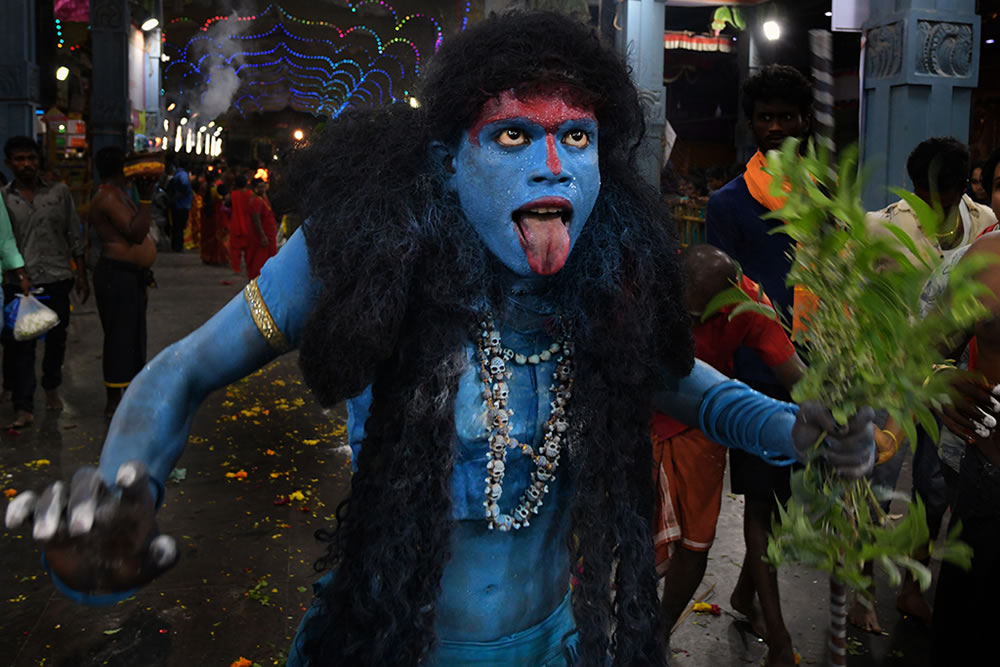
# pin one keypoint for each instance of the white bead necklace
(493, 359)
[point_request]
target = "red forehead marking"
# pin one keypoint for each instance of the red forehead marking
(548, 106)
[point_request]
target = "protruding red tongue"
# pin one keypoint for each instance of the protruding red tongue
(545, 241)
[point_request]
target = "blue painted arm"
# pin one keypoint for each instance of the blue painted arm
(731, 413)
(154, 418)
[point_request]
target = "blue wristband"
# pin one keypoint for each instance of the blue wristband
(85, 598)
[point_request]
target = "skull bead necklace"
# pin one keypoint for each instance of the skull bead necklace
(493, 364)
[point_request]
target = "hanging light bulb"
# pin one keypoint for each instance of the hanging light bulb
(189, 144)
(178, 140)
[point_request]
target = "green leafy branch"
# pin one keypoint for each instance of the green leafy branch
(868, 343)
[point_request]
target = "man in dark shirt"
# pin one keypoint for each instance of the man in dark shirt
(777, 102)
(48, 233)
(181, 200)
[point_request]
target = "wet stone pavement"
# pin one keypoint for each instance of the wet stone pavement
(264, 468)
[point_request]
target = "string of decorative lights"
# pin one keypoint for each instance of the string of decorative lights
(320, 79)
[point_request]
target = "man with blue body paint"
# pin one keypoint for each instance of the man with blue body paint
(493, 283)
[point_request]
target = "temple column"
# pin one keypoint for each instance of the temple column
(109, 100)
(921, 63)
(19, 88)
(641, 40)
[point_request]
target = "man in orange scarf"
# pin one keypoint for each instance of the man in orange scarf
(777, 103)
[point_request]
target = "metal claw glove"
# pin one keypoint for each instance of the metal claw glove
(848, 448)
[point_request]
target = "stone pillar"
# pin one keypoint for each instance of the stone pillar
(19, 89)
(641, 40)
(921, 64)
(109, 102)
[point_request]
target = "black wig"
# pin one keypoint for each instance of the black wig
(404, 275)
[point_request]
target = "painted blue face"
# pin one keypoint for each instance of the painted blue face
(527, 177)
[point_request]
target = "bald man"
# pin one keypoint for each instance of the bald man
(689, 468)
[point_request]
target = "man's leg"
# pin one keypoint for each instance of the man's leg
(177, 226)
(764, 578)
(862, 613)
(929, 484)
(55, 343)
(965, 602)
(699, 467)
(681, 582)
(19, 369)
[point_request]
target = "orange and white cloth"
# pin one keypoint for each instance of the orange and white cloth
(688, 471)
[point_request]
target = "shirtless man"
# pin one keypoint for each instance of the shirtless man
(122, 273)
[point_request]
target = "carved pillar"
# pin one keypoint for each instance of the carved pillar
(921, 64)
(109, 102)
(641, 40)
(19, 90)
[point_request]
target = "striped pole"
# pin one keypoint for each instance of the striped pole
(838, 623)
(821, 46)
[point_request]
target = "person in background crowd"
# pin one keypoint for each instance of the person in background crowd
(777, 102)
(48, 232)
(223, 214)
(122, 274)
(192, 235)
(688, 467)
(11, 262)
(209, 216)
(937, 168)
(160, 229)
(181, 200)
(991, 185)
(964, 616)
(976, 188)
(265, 228)
(239, 224)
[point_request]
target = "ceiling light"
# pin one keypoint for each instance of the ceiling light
(171, 106)
(62, 73)
(772, 31)
(828, 14)
(184, 121)
(298, 135)
(149, 24)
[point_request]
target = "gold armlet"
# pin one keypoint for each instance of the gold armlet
(262, 318)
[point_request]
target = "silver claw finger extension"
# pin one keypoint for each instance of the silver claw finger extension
(163, 549)
(47, 523)
(20, 509)
(126, 474)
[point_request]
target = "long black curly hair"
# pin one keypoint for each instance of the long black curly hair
(403, 276)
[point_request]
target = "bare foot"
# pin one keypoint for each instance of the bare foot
(53, 401)
(862, 615)
(910, 602)
(752, 611)
(23, 419)
(781, 656)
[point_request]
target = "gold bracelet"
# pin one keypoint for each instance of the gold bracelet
(262, 318)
